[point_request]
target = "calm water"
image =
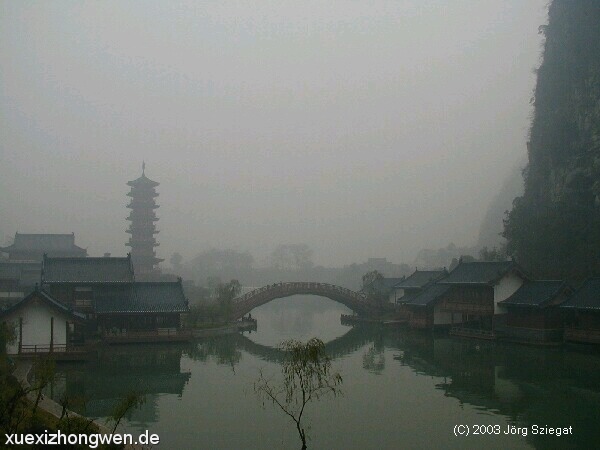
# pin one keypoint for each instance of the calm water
(401, 389)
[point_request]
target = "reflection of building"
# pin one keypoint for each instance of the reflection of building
(149, 370)
(32, 247)
(142, 227)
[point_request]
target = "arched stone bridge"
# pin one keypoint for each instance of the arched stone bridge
(356, 301)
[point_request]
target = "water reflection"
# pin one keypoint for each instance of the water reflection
(93, 389)
(546, 387)
(497, 383)
(299, 317)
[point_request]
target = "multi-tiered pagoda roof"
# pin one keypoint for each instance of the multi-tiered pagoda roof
(143, 224)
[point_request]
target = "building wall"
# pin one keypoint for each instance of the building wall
(506, 287)
(441, 317)
(395, 295)
(36, 325)
(62, 293)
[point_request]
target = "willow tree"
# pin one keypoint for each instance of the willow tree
(307, 376)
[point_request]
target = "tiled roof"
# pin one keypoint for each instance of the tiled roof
(479, 272)
(586, 297)
(535, 293)
(146, 297)
(420, 278)
(430, 294)
(141, 181)
(385, 284)
(87, 270)
(27, 272)
(41, 294)
(47, 242)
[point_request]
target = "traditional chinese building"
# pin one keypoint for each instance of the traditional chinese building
(533, 313)
(80, 283)
(17, 279)
(425, 311)
(152, 311)
(477, 290)
(42, 325)
(413, 284)
(143, 225)
(582, 311)
(117, 308)
(32, 247)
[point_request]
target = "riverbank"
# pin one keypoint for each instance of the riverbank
(231, 328)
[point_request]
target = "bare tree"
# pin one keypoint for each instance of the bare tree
(307, 376)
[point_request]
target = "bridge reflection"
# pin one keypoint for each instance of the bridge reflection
(348, 343)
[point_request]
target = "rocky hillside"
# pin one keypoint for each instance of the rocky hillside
(554, 228)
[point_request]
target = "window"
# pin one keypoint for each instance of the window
(83, 297)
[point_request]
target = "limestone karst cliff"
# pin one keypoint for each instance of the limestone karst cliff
(554, 228)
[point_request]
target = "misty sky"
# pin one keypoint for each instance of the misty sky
(363, 129)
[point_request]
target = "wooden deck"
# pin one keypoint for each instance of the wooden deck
(586, 336)
(56, 352)
(152, 336)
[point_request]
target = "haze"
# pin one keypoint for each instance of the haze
(360, 128)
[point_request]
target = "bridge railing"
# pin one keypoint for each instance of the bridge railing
(301, 285)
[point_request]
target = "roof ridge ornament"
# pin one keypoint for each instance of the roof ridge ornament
(143, 168)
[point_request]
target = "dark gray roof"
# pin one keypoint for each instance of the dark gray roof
(586, 297)
(420, 278)
(430, 294)
(26, 272)
(480, 272)
(146, 297)
(87, 270)
(46, 297)
(536, 293)
(385, 284)
(43, 242)
(143, 181)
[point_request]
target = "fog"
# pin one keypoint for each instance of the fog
(362, 129)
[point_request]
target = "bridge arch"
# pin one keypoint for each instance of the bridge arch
(356, 301)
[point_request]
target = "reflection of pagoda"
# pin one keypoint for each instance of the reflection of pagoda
(142, 227)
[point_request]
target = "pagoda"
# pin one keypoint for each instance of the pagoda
(142, 227)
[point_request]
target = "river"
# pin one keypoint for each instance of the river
(401, 389)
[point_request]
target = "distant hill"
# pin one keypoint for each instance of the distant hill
(490, 232)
